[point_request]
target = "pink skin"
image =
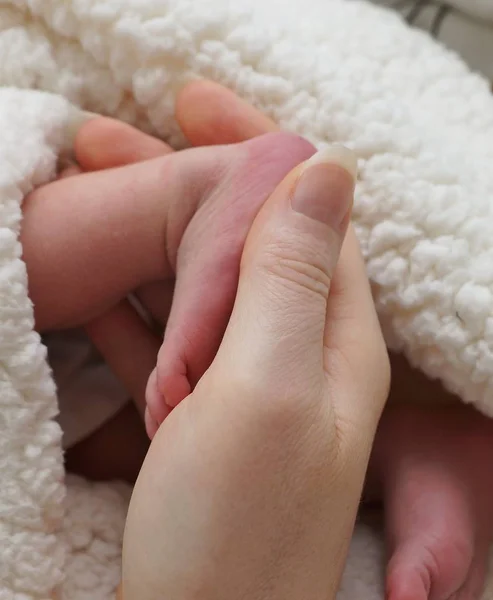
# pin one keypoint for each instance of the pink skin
(207, 265)
(434, 468)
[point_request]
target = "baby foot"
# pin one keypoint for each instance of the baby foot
(434, 467)
(208, 262)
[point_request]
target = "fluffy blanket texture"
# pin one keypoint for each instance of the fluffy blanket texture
(331, 70)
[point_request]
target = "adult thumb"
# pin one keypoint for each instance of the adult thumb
(278, 321)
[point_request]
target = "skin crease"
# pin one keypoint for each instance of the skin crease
(320, 486)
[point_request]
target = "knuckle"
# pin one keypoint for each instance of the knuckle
(283, 264)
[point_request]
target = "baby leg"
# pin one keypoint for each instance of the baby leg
(434, 467)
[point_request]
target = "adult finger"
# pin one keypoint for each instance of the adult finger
(66, 210)
(354, 342)
(286, 273)
(103, 143)
(69, 171)
(223, 117)
(128, 346)
(123, 339)
(157, 298)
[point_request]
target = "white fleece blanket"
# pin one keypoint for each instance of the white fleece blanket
(331, 70)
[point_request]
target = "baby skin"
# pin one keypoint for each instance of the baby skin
(430, 466)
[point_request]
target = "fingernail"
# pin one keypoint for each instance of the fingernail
(76, 119)
(325, 188)
(79, 117)
(88, 115)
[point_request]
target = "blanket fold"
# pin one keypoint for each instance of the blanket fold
(331, 70)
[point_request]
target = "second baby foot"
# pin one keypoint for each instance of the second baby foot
(434, 467)
(208, 262)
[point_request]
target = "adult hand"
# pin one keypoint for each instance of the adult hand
(251, 486)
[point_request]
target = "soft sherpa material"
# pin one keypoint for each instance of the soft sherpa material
(331, 70)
